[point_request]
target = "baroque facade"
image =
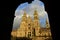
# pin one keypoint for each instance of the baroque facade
(31, 28)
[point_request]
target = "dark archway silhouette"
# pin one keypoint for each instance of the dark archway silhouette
(10, 8)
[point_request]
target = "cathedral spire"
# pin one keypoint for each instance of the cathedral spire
(24, 17)
(24, 14)
(35, 14)
(36, 23)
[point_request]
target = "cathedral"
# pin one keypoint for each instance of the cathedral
(31, 28)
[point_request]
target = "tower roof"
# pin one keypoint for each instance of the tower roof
(24, 17)
(24, 13)
(35, 12)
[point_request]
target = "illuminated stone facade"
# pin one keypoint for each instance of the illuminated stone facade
(31, 28)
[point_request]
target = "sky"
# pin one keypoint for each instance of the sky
(29, 9)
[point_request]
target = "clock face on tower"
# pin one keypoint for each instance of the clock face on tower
(31, 22)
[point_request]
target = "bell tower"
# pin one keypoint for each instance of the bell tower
(35, 15)
(36, 23)
(21, 31)
(24, 17)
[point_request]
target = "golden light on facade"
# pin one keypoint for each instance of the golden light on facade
(30, 28)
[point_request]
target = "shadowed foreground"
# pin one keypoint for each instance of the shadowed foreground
(34, 38)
